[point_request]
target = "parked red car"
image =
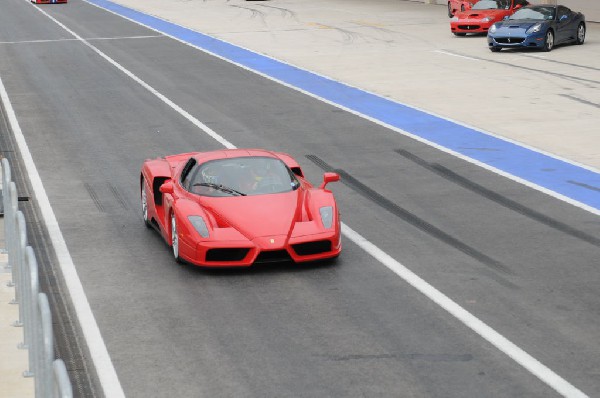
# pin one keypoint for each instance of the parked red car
(237, 207)
(483, 15)
(455, 6)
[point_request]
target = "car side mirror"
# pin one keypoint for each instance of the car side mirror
(167, 187)
(518, 6)
(563, 18)
(505, 18)
(329, 177)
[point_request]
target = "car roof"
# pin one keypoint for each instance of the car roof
(232, 153)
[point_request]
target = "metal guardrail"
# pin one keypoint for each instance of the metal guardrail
(51, 377)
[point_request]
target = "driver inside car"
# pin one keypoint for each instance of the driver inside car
(260, 177)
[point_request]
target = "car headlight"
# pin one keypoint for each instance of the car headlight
(488, 19)
(454, 19)
(535, 28)
(326, 216)
(199, 225)
(493, 28)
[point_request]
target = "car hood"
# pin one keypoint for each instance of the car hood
(259, 215)
(480, 14)
(505, 27)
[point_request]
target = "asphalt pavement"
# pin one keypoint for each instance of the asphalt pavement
(522, 261)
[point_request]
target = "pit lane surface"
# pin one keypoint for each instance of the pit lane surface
(521, 261)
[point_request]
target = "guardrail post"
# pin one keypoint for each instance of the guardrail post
(9, 220)
(62, 384)
(19, 254)
(46, 349)
(6, 180)
(31, 312)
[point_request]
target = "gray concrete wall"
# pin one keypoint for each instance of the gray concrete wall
(591, 8)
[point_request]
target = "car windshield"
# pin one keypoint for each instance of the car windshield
(252, 175)
(492, 5)
(534, 13)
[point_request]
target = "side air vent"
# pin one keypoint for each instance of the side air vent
(158, 181)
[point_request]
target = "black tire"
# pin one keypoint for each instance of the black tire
(144, 201)
(175, 240)
(495, 49)
(548, 41)
(450, 15)
(580, 34)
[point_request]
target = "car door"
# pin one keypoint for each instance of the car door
(565, 27)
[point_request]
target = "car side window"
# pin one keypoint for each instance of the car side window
(562, 11)
(186, 173)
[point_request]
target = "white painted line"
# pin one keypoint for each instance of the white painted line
(455, 55)
(92, 38)
(534, 366)
(542, 372)
(163, 98)
(104, 368)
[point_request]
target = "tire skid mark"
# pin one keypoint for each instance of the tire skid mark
(522, 67)
(120, 198)
(255, 13)
(104, 202)
(554, 61)
(500, 199)
(587, 186)
(95, 198)
(284, 11)
(415, 221)
(573, 98)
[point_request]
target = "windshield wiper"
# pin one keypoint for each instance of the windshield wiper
(220, 188)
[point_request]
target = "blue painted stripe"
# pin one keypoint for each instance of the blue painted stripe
(577, 183)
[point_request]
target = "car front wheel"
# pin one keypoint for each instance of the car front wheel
(549, 41)
(175, 239)
(144, 200)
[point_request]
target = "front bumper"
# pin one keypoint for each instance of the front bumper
(535, 40)
(470, 26)
(263, 250)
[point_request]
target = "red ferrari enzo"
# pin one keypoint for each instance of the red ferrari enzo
(483, 15)
(237, 207)
(48, 1)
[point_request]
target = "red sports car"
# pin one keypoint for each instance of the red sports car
(483, 15)
(237, 207)
(48, 1)
(455, 6)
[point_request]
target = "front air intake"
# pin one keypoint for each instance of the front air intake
(308, 248)
(273, 256)
(226, 254)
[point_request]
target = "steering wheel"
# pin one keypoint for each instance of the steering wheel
(268, 185)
